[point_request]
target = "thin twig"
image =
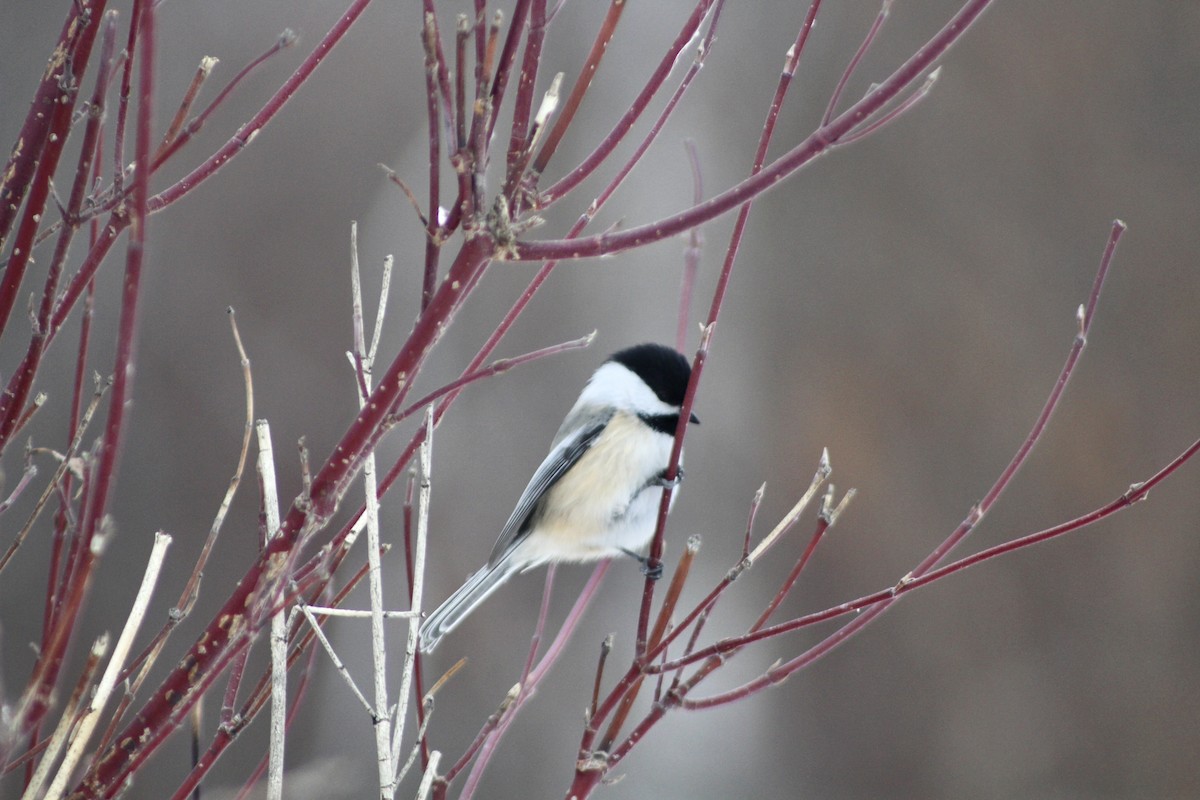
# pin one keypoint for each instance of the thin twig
(656, 81)
(605, 648)
(820, 141)
(553, 651)
(203, 70)
(416, 749)
(246, 133)
(365, 358)
(433, 220)
(191, 591)
(358, 613)
(868, 40)
(608, 27)
(338, 665)
(497, 367)
(411, 655)
(660, 626)
(430, 773)
(977, 513)
(67, 722)
(278, 635)
(586, 779)
(63, 467)
(907, 104)
(691, 253)
(108, 680)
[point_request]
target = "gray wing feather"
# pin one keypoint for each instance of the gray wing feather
(456, 608)
(572, 441)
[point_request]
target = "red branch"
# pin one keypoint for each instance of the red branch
(817, 143)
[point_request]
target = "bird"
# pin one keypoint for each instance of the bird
(594, 495)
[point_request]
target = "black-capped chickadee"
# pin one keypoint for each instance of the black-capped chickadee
(593, 497)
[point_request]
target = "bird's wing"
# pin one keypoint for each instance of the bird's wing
(568, 449)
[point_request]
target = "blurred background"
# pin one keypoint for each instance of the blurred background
(906, 302)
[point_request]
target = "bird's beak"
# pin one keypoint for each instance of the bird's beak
(694, 419)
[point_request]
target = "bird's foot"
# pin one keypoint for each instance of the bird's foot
(653, 572)
(669, 483)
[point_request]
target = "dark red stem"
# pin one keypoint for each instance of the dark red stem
(816, 144)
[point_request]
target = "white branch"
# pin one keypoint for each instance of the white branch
(278, 636)
(365, 361)
(66, 723)
(789, 519)
(427, 778)
(358, 613)
(107, 681)
(333, 656)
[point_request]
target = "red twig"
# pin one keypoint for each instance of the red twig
(172, 145)
(691, 253)
(543, 273)
(589, 774)
(529, 687)
(780, 672)
(46, 151)
(636, 109)
(818, 142)
(523, 104)
(49, 113)
(106, 468)
(14, 397)
(443, 72)
(123, 101)
(497, 367)
(433, 222)
(599, 46)
(508, 55)
(462, 31)
(246, 133)
(34, 702)
(868, 40)
(715, 311)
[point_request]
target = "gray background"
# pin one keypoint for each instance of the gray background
(906, 302)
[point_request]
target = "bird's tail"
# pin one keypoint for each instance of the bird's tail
(456, 608)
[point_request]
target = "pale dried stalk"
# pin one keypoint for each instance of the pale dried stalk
(66, 723)
(364, 360)
(278, 636)
(823, 472)
(333, 656)
(358, 613)
(104, 689)
(427, 778)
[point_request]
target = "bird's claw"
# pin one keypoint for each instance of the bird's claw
(653, 572)
(670, 483)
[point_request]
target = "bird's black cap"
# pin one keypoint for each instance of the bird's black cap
(664, 370)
